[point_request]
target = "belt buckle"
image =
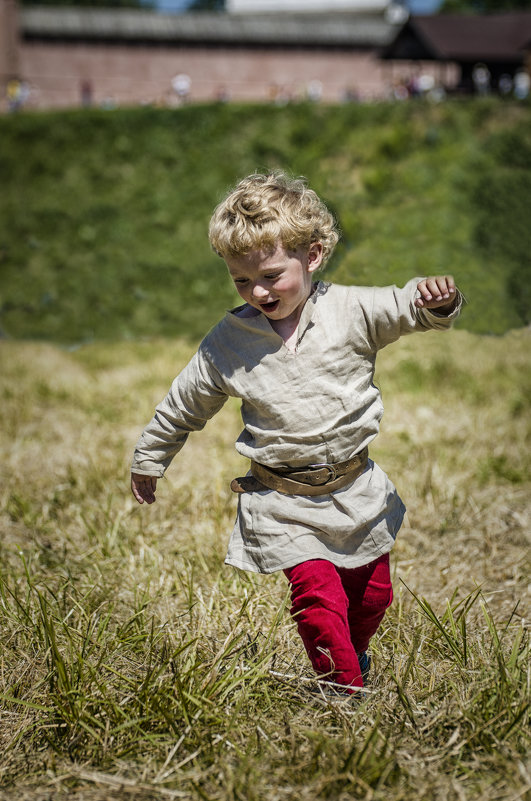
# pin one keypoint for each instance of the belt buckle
(331, 469)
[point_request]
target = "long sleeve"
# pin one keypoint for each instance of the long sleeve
(195, 396)
(390, 313)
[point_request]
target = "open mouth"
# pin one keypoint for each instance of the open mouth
(270, 307)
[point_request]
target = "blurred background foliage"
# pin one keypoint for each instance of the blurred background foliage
(104, 213)
(483, 6)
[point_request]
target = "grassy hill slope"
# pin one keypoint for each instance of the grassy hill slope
(103, 215)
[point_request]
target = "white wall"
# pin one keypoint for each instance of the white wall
(248, 6)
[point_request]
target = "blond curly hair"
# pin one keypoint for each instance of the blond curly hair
(264, 209)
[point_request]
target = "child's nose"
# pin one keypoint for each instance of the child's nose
(260, 291)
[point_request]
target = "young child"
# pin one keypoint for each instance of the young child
(301, 355)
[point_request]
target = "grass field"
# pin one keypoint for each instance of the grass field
(135, 665)
(104, 215)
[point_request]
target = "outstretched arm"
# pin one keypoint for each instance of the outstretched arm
(143, 487)
(423, 304)
(437, 292)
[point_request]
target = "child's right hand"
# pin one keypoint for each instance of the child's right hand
(143, 487)
(437, 292)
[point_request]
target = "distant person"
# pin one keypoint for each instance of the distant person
(522, 84)
(412, 85)
(481, 79)
(314, 91)
(350, 95)
(300, 354)
(87, 93)
(222, 94)
(279, 95)
(400, 91)
(181, 85)
(505, 85)
(18, 93)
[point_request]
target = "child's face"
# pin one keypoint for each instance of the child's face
(277, 283)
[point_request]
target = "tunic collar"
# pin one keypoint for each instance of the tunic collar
(260, 323)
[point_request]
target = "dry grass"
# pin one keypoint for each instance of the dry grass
(134, 664)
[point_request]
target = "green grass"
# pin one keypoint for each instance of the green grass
(135, 664)
(103, 215)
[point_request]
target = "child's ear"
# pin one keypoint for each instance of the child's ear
(315, 256)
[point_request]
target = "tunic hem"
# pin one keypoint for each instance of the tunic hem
(252, 567)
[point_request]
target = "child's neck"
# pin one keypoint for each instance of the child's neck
(287, 329)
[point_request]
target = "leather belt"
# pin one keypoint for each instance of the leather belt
(315, 479)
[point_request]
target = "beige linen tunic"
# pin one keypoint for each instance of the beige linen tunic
(312, 405)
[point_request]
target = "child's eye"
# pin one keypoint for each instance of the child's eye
(272, 277)
(240, 280)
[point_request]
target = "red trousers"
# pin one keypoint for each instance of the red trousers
(337, 610)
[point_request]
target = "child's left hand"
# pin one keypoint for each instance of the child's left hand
(437, 292)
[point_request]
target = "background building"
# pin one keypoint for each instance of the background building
(70, 55)
(488, 50)
(58, 57)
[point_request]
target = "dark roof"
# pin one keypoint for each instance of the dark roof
(321, 30)
(454, 37)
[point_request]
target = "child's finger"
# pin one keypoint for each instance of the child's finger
(445, 286)
(136, 491)
(425, 294)
(450, 283)
(435, 289)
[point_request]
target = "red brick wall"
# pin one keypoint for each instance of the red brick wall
(9, 65)
(140, 74)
